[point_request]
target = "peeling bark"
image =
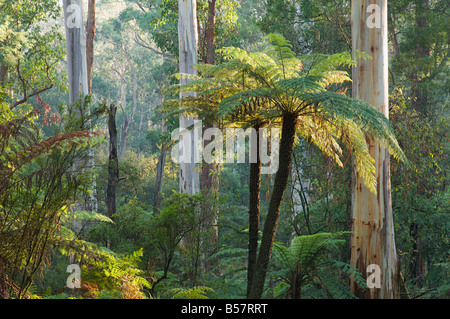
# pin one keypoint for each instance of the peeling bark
(372, 223)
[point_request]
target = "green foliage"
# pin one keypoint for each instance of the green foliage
(30, 51)
(297, 67)
(306, 261)
(251, 87)
(116, 277)
(37, 185)
(191, 293)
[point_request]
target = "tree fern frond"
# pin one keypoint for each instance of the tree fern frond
(320, 135)
(338, 107)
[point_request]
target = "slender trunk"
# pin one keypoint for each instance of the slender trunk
(210, 188)
(160, 173)
(129, 119)
(372, 239)
(90, 37)
(254, 212)
(209, 182)
(210, 32)
(113, 163)
(270, 225)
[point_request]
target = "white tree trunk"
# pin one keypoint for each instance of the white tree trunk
(76, 49)
(188, 42)
(77, 73)
(372, 223)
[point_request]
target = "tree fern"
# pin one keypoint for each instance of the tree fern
(298, 264)
(272, 87)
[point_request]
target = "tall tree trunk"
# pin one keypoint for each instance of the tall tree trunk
(90, 37)
(113, 162)
(187, 43)
(76, 50)
(254, 212)
(77, 75)
(372, 240)
(210, 188)
(210, 171)
(210, 32)
(271, 222)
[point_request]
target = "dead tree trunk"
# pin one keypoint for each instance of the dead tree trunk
(113, 162)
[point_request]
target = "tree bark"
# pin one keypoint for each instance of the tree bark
(372, 240)
(76, 50)
(210, 32)
(113, 162)
(271, 222)
(254, 212)
(187, 43)
(210, 171)
(90, 37)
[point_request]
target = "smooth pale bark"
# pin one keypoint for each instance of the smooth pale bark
(76, 50)
(372, 239)
(78, 75)
(187, 43)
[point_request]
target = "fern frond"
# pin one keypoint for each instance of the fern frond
(198, 292)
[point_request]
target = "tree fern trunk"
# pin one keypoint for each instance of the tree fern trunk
(270, 225)
(372, 223)
(253, 213)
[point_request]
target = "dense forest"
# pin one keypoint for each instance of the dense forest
(224, 149)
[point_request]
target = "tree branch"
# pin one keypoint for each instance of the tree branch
(11, 106)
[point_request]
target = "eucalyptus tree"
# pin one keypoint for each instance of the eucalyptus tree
(373, 240)
(187, 46)
(79, 87)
